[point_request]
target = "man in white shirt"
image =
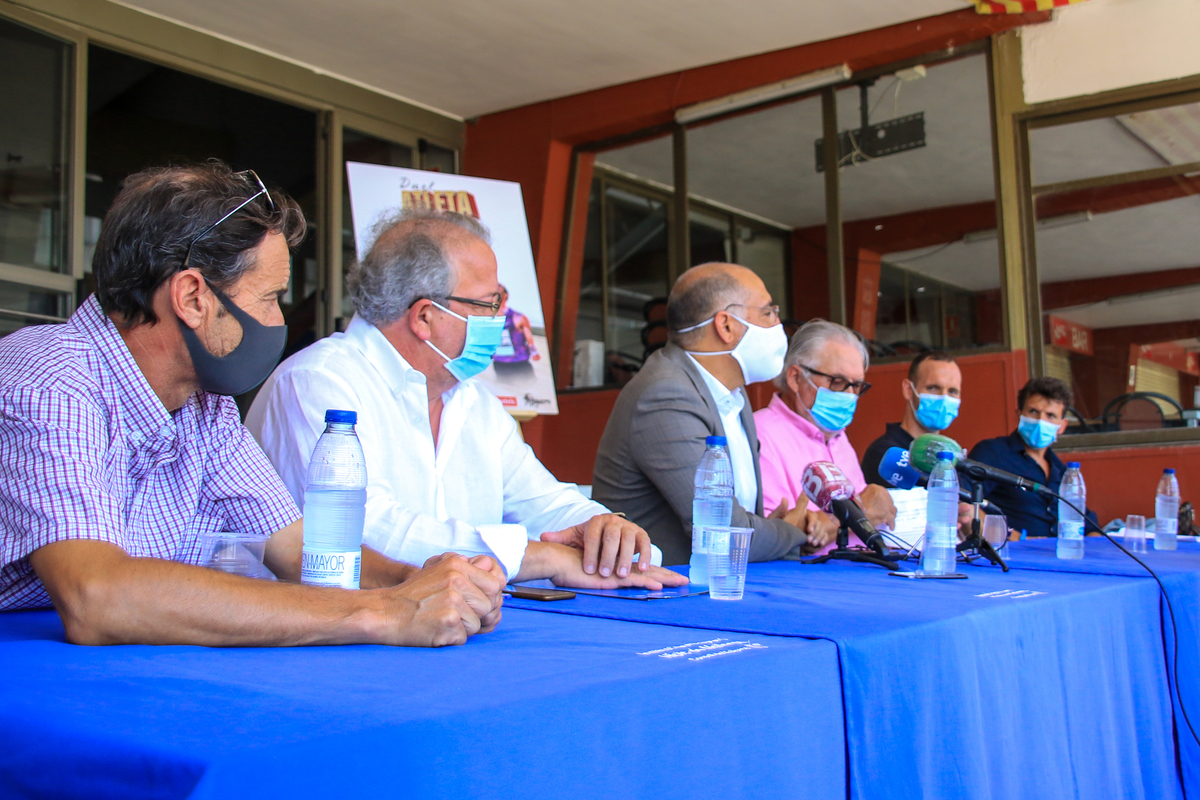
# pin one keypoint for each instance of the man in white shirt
(446, 466)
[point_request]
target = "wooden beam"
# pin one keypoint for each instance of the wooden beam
(834, 253)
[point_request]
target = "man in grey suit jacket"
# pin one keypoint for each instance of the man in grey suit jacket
(690, 389)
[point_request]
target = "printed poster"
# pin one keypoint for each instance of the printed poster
(520, 374)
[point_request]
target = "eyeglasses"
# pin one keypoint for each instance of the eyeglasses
(839, 384)
(772, 312)
(262, 191)
(493, 304)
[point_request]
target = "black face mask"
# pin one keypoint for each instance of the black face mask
(248, 364)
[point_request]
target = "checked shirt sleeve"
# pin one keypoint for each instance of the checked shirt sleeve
(53, 450)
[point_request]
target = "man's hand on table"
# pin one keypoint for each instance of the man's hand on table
(608, 543)
(449, 600)
(878, 506)
(564, 566)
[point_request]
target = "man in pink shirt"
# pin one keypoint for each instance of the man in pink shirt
(819, 388)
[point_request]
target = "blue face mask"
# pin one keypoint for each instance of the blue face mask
(935, 412)
(1037, 432)
(832, 410)
(483, 339)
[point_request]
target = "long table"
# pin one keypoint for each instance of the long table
(1046, 681)
(827, 681)
(546, 705)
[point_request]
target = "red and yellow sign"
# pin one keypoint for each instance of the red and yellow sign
(460, 202)
(1171, 355)
(1020, 6)
(1070, 335)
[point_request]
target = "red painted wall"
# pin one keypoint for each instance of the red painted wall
(569, 441)
(990, 385)
(1122, 482)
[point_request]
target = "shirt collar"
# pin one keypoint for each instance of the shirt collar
(804, 425)
(146, 415)
(400, 376)
(728, 400)
(1018, 446)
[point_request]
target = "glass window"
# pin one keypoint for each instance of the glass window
(764, 250)
(141, 115)
(22, 305)
(1120, 285)
(33, 74)
(710, 238)
(750, 168)
(624, 283)
(365, 149)
(919, 208)
(436, 158)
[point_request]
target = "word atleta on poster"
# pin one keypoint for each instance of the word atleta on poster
(520, 371)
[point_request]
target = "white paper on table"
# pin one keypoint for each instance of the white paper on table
(910, 516)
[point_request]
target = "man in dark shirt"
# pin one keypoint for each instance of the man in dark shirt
(931, 398)
(1042, 403)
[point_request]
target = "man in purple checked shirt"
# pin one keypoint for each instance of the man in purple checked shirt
(120, 444)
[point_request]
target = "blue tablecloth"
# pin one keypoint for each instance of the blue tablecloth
(952, 691)
(1179, 571)
(547, 705)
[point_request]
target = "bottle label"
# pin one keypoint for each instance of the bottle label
(699, 536)
(326, 568)
(1070, 529)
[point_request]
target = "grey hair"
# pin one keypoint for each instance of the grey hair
(401, 269)
(808, 341)
(699, 301)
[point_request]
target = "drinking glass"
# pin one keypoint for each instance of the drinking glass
(1135, 533)
(995, 531)
(728, 552)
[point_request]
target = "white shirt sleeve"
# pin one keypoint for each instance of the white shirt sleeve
(532, 496)
(288, 426)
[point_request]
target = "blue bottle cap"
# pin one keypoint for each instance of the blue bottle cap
(348, 417)
(1168, 472)
(945, 455)
(1072, 465)
(718, 440)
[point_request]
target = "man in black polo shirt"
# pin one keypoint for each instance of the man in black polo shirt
(1043, 404)
(931, 398)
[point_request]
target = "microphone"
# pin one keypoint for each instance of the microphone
(830, 490)
(896, 468)
(924, 452)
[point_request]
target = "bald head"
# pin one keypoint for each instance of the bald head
(412, 257)
(702, 291)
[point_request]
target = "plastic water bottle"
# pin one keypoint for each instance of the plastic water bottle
(1166, 512)
(335, 505)
(712, 504)
(938, 554)
(1070, 521)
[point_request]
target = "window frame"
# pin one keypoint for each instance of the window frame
(1026, 118)
(336, 103)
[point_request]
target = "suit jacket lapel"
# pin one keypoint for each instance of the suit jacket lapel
(676, 354)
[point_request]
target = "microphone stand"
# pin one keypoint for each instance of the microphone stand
(843, 552)
(976, 541)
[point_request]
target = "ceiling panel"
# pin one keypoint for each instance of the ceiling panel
(472, 57)
(765, 162)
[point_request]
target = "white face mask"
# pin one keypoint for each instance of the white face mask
(760, 352)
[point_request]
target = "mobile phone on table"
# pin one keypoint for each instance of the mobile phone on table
(534, 593)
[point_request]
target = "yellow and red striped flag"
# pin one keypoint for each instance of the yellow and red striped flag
(1020, 6)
